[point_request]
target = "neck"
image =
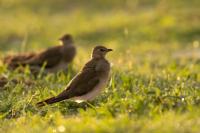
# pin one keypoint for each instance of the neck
(66, 42)
(97, 57)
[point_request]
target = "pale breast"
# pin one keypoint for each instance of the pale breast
(103, 67)
(68, 53)
(60, 66)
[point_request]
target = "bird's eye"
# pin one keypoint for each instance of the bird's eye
(102, 50)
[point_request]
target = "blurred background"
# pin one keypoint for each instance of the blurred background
(131, 27)
(155, 77)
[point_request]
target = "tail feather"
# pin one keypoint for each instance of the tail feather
(50, 101)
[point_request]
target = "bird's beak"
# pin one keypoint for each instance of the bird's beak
(108, 50)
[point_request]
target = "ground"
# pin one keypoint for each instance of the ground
(155, 77)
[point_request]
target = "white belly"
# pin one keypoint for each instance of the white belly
(61, 66)
(91, 95)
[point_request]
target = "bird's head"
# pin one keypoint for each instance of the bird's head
(66, 39)
(100, 52)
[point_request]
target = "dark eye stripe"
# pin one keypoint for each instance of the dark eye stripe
(102, 50)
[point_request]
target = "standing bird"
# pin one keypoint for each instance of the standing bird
(56, 58)
(89, 82)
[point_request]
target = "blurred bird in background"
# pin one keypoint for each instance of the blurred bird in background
(53, 59)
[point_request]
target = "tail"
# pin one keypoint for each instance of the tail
(50, 101)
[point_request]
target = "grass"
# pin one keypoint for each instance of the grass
(151, 89)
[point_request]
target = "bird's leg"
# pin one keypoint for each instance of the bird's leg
(88, 103)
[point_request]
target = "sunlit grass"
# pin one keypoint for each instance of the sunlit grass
(151, 88)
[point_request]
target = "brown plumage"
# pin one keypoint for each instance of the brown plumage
(14, 61)
(56, 58)
(88, 82)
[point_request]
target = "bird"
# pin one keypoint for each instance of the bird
(89, 82)
(14, 61)
(56, 58)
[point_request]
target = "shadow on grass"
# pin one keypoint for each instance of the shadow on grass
(67, 108)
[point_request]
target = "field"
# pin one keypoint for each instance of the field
(155, 78)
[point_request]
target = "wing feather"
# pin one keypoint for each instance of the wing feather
(83, 82)
(51, 56)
